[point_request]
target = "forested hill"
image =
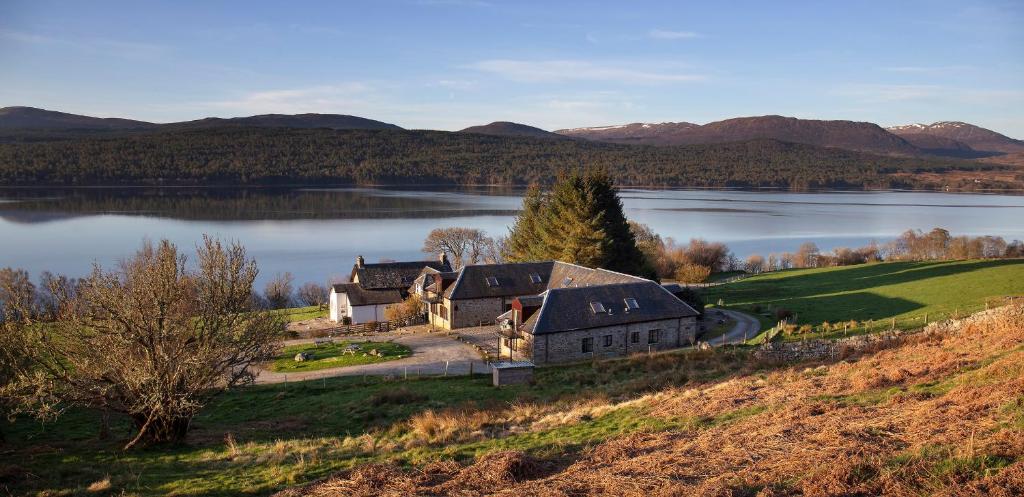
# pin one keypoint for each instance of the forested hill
(276, 155)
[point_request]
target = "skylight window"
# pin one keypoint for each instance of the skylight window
(535, 278)
(597, 307)
(631, 304)
(492, 281)
(566, 282)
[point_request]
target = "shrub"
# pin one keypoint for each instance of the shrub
(782, 314)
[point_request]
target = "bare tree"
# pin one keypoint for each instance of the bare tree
(693, 273)
(313, 294)
(278, 291)
(463, 245)
(754, 264)
(806, 255)
(407, 309)
(154, 340)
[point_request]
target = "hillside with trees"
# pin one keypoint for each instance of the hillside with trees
(241, 155)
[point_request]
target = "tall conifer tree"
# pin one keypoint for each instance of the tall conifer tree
(580, 221)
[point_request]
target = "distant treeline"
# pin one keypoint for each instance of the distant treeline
(913, 245)
(228, 204)
(310, 156)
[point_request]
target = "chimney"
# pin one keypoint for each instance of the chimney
(443, 257)
(359, 261)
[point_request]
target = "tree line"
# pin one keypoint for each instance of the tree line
(912, 245)
(275, 156)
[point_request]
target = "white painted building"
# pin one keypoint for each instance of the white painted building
(360, 305)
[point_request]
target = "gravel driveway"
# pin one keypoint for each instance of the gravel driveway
(430, 353)
(746, 327)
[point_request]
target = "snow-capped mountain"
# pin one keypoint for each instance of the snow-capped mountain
(951, 133)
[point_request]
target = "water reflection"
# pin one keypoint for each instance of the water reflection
(316, 233)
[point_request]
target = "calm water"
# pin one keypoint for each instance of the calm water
(317, 233)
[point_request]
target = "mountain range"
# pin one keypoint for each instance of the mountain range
(942, 139)
(30, 118)
(946, 139)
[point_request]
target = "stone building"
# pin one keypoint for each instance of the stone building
(476, 294)
(565, 324)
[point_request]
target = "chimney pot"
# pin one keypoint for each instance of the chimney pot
(359, 261)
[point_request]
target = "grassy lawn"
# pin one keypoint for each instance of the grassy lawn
(293, 314)
(876, 293)
(331, 355)
(258, 439)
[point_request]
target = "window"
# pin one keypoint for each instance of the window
(588, 345)
(443, 311)
(597, 307)
(653, 336)
(607, 340)
(492, 281)
(566, 282)
(535, 278)
(634, 337)
(631, 304)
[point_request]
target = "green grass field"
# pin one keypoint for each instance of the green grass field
(259, 439)
(293, 314)
(331, 355)
(876, 293)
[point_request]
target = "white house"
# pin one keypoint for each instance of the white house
(375, 287)
(360, 305)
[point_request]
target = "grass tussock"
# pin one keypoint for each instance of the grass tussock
(939, 414)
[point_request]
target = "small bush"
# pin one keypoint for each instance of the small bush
(782, 314)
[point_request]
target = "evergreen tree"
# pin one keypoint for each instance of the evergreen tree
(522, 244)
(579, 221)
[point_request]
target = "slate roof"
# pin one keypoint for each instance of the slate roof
(567, 309)
(515, 279)
(393, 275)
(358, 295)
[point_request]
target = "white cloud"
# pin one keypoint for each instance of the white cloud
(346, 98)
(538, 71)
(102, 46)
(664, 34)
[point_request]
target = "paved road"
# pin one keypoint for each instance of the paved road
(746, 327)
(430, 353)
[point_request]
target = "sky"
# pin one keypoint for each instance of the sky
(449, 64)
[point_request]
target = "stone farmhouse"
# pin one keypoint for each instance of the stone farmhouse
(611, 320)
(372, 288)
(556, 312)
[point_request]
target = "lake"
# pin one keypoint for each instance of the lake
(316, 233)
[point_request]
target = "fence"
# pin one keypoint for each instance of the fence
(388, 373)
(852, 327)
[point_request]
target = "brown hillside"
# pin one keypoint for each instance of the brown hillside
(940, 413)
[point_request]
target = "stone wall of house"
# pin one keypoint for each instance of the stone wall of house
(568, 346)
(472, 312)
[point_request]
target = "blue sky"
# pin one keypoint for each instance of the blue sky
(448, 64)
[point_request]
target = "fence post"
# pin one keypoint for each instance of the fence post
(446, 368)
(407, 372)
